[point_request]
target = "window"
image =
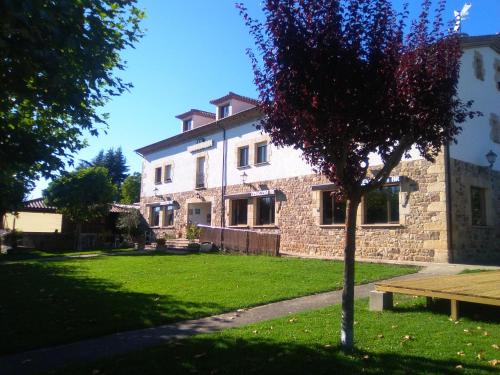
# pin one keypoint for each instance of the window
(200, 172)
(261, 153)
(243, 156)
(224, 111)
(265, 211)
(168, 216)
(478, 206)
(239, 211)
(158, 175)
(187, 125)
(382, 206)
(333, 211)
(154, 220)
(168, 173)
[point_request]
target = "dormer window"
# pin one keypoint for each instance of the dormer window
(223, 111)
(187, 125)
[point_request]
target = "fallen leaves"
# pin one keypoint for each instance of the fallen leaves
(494, 362)
(495, 346)
(461, 353)
(293, 320)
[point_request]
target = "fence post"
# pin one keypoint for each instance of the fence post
(247, 242)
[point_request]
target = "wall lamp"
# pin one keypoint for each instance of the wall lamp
(491, 157)
(244, 177)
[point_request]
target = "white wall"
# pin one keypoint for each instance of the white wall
(474, 141)
(283, 163)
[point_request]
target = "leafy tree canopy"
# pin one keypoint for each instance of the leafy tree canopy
(341, 80)
(58, 66)
(131, 189)
(82, 195)
(114, 161)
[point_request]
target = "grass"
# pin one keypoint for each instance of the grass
(39, 254)
(408, 340)
(47, 303)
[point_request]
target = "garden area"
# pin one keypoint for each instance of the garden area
(410, 339)
(45, 303)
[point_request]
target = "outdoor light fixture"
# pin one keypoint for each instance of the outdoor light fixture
(155, 191)
(244, 177)
(492, 158)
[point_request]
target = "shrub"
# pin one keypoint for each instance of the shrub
(192, 232)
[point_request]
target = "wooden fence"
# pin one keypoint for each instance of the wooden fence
(241, 240)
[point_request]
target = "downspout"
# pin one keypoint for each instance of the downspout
(449, 226)
(223, 183)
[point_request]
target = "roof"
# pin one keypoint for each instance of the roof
(492, 41)
(233, 95)
(37, 204)
(198, 112)
(119, 208)
(226, 122)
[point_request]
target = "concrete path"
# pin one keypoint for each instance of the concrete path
(42, 360)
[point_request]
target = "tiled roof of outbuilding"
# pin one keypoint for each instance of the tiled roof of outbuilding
(37, 204)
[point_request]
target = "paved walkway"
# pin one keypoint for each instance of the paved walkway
(42, 360)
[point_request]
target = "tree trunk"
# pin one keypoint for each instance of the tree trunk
(78, 234)
(347, 328)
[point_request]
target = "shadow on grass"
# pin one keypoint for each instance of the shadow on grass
(475, 311)
(209, 355)
(47, 303)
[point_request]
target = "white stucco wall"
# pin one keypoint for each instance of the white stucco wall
(283, 162)
(474, 141)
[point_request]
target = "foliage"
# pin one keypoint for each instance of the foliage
(121, 293)
(59, 66)
(131, 189)
(160, 242)
(131, 223)
(193, 232)
(340, 80)
(193, 246)
(82, 195)
(13, 191)
(114, 161)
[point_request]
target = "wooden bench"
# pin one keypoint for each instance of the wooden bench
(477, 287)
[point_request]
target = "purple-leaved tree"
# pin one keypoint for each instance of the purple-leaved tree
(341, 80)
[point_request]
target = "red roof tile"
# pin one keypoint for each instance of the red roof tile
(37, 204)
(233, 95)
(196, 112)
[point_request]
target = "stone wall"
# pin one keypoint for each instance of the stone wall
(421, 234)
(470, 243)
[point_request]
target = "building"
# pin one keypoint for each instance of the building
(35, 217)
(222, 171)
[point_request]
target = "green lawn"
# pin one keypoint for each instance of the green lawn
(39, 254)
(407, 340)
(48, 302)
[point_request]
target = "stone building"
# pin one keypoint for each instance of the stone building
(222, 171)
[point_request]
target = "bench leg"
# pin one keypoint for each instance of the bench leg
(380, 301)
(429, 302)
(455, 312)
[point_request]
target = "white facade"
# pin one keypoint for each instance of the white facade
(473, 143)
(475, 140)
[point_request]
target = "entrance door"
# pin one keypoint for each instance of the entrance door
(200, 213)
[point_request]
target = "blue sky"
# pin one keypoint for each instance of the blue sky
(194, 51)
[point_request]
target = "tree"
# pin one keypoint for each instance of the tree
(340, 80)
(131, 189)
(81, 196)
(59, 66)
(132, 223)
(113, 160)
